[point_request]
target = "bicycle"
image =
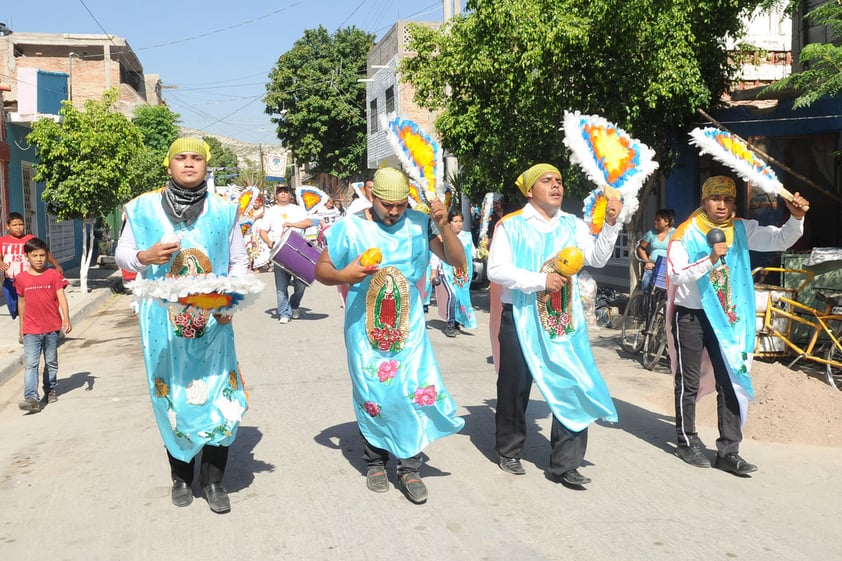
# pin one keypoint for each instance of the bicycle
(644, 319)
(781, 308)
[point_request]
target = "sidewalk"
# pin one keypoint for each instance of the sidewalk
(102, 282)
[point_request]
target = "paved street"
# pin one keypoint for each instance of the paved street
(87, 478)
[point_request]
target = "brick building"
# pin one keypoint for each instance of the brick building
(45, 69)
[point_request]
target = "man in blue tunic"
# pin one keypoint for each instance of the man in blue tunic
(711, 310)
(400, 400)
(543, 333)
(191, 365)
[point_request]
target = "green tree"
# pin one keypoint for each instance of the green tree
(317, 103)
(502, 75)
(88, 162)
(158, 126)
(225, 160)
(822, 61)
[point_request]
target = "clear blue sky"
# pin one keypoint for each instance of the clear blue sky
(216, 55)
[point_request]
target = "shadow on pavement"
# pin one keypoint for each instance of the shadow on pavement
(242, 465)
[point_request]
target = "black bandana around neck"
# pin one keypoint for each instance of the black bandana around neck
(183, 205)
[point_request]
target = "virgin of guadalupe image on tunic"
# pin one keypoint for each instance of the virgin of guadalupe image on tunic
(188, 321)
(387, 310)
(554, 308)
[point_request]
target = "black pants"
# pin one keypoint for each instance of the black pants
(514, 383)
(693, 333)
(375, 456)
(211, 467)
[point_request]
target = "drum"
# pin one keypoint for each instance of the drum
(297, 256)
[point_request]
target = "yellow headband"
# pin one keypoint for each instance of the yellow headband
(186, 144)
(719, 185)
(528, 178)
(390, 184)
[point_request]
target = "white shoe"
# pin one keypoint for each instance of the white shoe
(295, 313)
(283, 320)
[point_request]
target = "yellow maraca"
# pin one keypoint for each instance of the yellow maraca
(371, 256)
(569, 261)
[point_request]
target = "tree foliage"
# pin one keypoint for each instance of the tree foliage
(88, 160)
(224, 160)
(158, 127)
(317, 103)
(503, 74)
(822, 76)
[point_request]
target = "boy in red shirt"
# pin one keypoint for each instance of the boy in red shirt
(43, 313)
(12, 260)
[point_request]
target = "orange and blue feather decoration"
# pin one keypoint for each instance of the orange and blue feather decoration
(420, 155)
(310, 197)
(731, 150)
(617, 163)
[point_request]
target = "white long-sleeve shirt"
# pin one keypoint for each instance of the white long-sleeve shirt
(126, 253)
(501, 268)
(684, 274)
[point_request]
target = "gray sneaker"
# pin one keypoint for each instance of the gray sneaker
(295, 313)
(376, 479)
(52, 396)
(30, 405)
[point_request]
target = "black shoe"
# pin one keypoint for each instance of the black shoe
(451, 331)
(217, 498)
(414, 488)
(574, 478)
(52, 396)
(693, 455)
(511, 465)
(376, 479)
(733, 463)
(181, 494)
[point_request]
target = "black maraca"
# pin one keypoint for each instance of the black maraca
(715, 236)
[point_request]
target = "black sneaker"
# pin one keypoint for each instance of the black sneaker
(693, 455)
(451, 331)
(52, 396)
(733, 463)
(511, 465)
(30, 405)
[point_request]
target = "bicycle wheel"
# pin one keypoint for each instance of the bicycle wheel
(634, 319)
(656, 338)
(834, 373)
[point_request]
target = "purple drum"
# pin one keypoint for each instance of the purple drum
(297, 256)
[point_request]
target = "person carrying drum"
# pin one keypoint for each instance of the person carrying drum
(278, 218)
(711, 311)
(399, 397)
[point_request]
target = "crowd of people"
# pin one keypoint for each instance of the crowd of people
(378, 251)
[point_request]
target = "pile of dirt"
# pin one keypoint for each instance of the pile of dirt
(794, 406)
(791, 406)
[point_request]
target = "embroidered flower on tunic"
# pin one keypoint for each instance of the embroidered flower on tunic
(231, 410)
(171, 416)
(425, 395)
(371, 408)
(161, 388)
(387, 370)
(197, 392)
(232, 380)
